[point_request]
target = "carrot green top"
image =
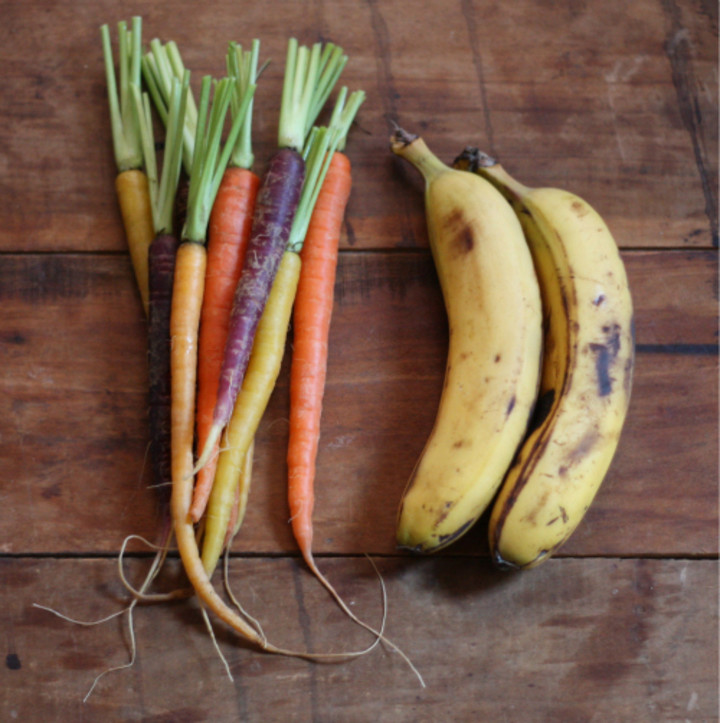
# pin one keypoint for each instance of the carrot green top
(310, 75)
(318, 153)
(127, 145)
(242, 67)
(164, 188)
(159, 66)
(209, 160)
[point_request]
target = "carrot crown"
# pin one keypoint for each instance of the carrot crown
(159, 66)
(318, 153)
(310, 75)
(209, 161)
(127, 145)
(164, 188)
(242, 67)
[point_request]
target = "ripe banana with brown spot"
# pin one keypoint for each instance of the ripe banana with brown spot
(587, 370)
(493, 306)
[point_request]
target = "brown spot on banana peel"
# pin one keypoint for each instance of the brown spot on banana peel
(459, 231)
(580, 209)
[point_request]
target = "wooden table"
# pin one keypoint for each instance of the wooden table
(616, 101)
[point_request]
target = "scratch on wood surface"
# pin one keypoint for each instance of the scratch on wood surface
(386, 81)
(468, 12)
(305, 627)
(678, 47)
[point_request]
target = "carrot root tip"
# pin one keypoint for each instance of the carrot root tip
(207, 451)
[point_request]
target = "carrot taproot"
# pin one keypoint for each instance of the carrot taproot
(270, 340)
(161, 269)
(228, 234)
(131, 183)
(309, 76)
(240, 500)
(188, 287)
(252, 399)
(311, 324)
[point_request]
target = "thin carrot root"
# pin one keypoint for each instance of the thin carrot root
(139, 596)
(310, 560)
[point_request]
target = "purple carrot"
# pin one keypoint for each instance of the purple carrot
(310, 74)
(275, 208)
(161, 270)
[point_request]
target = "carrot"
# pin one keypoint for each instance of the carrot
(311, 325)
(188, 287)
(185, 317)
(270, 340)
(228, 235)
(262, 372)
(309, 77)
(161, 261)
(131, 183)
(237, 513)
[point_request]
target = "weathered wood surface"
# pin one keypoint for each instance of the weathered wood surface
(575, 640)
(615, 101)
(75, 400)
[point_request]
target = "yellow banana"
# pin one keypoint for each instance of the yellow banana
(492, 300)
(587, 370)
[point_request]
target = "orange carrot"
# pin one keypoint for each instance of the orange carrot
(184, 320)
(228, 234)
(229, 231)
(311, 323)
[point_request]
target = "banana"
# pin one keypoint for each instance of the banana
(492, 300)
(587, 370)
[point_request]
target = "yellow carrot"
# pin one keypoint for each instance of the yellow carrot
(132, 185)
(258, 384)
(133, 196)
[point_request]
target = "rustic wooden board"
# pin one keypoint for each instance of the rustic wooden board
(74, 388)
(615, 101)
(575, 640)
(620, 106)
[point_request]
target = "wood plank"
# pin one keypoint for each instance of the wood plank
(73, 392)
(575, 640)
(623, 111)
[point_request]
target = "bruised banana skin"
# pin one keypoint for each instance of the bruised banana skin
(587, 371)
(492, 300)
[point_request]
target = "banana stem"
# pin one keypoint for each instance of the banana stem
(413, 149)
(474, 160)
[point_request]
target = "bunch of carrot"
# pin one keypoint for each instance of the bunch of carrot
(252, 254)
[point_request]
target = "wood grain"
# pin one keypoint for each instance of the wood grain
(75, 380)
(575, 640)
(629, 123)
(615, 101)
